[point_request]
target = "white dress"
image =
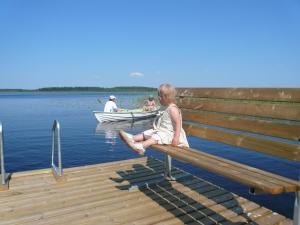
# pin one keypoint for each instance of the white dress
(163, 130)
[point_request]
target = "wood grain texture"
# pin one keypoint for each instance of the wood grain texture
(268, 110)
(267, 146)
(98, 194)
(259, 94)
(252, 177)
(258, 126)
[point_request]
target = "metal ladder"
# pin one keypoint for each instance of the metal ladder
(4, 176)
(57, 171)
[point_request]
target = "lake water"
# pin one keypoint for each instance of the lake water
(27, 120)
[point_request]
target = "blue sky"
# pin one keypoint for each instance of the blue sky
(189, 43)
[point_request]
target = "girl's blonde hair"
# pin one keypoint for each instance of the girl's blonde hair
(167, 91)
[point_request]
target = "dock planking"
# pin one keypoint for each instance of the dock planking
(98, 194)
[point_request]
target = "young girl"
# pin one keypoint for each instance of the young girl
(167, 129)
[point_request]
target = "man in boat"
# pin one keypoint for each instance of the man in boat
(150, 104)
(110, 105)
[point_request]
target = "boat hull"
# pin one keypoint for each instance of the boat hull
(123, 116)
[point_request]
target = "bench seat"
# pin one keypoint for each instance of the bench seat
(258, 180)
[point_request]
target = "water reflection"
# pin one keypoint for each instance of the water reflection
(110, 130)
(110, 137)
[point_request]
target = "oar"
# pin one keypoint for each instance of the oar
(99, 101)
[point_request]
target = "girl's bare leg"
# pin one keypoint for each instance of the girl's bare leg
(138, 137)
(149, 142)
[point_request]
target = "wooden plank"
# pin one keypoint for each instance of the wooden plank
(266, 146)
(266, 94)
(100, 200)
(271, 218)
(73, 190)
(248, 169)
(92, 170)
(75, 210)
(117, 203)
(200, 212)
(85, 182)
(286, 222)
(219, 169)
(76, 176)
(139, 169)
(167, 204)
(176, 205)
(56, 202)
(259, 126)
(224, 212)
(185, 205)
(112, 165)
(225, 170)
(289, 185)
(274, 110)
(257, 214)
(23, 204)
(30, 173)
(247, 209)
(34, 179)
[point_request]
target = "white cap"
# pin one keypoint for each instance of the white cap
(112, 97)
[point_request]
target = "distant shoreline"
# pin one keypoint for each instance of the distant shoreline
(83, 89)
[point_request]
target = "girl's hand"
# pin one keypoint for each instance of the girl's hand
(175, 142)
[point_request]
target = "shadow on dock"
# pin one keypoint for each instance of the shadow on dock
(188, 199)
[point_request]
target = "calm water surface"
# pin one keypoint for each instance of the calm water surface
(27, 120)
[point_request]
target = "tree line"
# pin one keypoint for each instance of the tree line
(85, 89)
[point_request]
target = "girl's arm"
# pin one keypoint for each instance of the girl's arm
(175, 117)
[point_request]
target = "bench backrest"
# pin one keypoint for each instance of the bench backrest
(233, 115)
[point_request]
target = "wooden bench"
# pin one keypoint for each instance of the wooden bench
(266, 120)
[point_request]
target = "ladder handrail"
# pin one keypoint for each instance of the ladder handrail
(3, 177)
(58, 170)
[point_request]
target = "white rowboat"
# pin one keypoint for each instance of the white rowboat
(129, 115)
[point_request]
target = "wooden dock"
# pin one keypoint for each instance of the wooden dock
(98, 194)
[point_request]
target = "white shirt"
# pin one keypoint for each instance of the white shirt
(110, 106)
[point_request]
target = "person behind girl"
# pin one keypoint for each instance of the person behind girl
(150, 104)
(167, 127)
